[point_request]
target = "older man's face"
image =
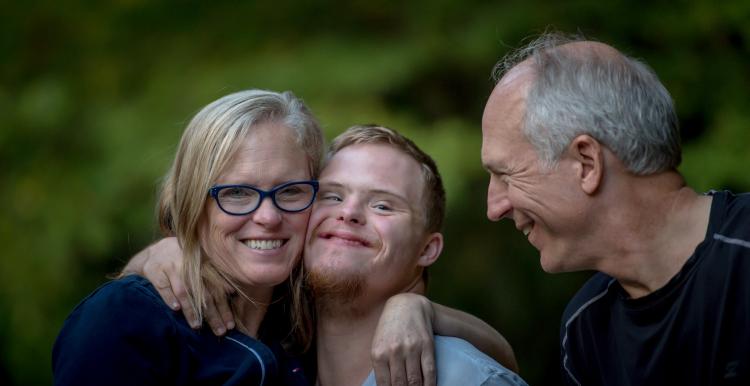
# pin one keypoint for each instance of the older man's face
(542, 203)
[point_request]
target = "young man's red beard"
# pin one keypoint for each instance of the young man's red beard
(332, 292)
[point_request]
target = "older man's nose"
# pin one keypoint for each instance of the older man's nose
(498, 204)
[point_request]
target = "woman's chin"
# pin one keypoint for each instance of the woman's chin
(268, 278)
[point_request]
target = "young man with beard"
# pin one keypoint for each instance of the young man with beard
(374, 231)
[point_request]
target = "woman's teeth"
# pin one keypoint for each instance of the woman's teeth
(263, 244)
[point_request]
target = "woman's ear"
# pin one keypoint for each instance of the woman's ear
(431, 250)
(588, 156)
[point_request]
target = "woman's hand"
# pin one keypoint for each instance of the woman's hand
(161, 264)
(403, 351)
(403, 345)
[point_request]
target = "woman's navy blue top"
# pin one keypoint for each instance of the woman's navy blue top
(124, 334)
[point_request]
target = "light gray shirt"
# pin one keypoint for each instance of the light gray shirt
(460, 363)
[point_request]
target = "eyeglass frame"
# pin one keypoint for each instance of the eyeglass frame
(214, 193)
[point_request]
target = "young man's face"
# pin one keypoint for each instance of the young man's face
(367, 227)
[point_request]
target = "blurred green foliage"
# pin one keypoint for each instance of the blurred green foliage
(94, 96)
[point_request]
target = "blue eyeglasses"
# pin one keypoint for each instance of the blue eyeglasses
(239, 200)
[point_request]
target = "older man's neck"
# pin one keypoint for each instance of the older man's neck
(344, 339)
(660, 224)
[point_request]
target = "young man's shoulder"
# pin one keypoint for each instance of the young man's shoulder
(459, 362)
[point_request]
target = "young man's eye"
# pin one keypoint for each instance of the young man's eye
(330, 197)
(381, 207)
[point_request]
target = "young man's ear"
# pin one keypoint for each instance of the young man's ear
(588, 155)
(431, 250)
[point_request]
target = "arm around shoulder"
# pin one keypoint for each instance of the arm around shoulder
(409, 321)
(452, 322)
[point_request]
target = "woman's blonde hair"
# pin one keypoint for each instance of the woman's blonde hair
(207, 146)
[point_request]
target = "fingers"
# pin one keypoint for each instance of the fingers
(403, 349)
(408, 363)
(218, 313)
(222, 300)
(382, 369)
(414, 375)
(173, 293)
(181, 293)
(213, 317)
(398, 373)
(179, 299)
(225, 312)
(163, 286)
(162, 267)
(191, 317)
(418, 362)
(429, 375)
(175, 296)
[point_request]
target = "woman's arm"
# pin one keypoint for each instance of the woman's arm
(403, 348)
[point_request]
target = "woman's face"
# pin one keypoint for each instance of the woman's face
(259, 249)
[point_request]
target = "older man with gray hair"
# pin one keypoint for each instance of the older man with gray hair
(582, 145)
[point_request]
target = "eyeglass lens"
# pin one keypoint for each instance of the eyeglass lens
(291, 197)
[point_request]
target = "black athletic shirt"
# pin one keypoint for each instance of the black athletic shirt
(693, 331)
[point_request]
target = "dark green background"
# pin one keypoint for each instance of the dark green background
(94, 96)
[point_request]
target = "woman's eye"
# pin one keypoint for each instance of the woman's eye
(234, 192)
(290, 193)
(291, 190)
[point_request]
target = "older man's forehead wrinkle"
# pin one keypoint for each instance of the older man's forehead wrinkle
(491, 159)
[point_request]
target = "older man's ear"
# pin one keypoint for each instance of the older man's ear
(588, 155)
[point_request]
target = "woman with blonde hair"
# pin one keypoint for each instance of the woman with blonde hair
(237, 198)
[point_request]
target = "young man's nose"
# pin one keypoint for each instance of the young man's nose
(351, 212)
